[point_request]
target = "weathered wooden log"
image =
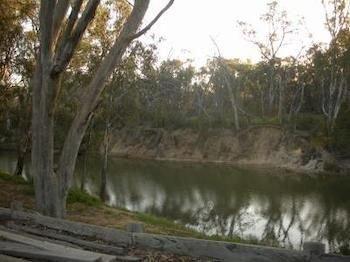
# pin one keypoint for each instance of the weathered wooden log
(128, 259)
(215, 250)
(5, 214)
(78, 242)
(83, 255)
(28, 252)
(16, 205)
(117, 237)
(11, 227)
(4, 258)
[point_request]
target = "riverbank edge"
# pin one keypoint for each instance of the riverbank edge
(256, 147)
(342, 168)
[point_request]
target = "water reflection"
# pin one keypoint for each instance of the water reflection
(284, 209)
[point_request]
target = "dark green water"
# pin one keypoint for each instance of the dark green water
(274, 206)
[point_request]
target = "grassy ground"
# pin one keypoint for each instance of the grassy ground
(82, 207)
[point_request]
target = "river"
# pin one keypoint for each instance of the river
(275, 206)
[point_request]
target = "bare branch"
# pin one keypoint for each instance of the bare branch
(149, 26)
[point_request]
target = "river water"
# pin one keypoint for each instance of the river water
(270, 205)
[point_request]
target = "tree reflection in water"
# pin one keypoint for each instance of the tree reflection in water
(285, 209)
(279, 209)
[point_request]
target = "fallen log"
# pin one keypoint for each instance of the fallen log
(110, 235)
(10, 227)
(31, 245)
(4, 258)
(215, 250)
(81, 243)
(29, 252)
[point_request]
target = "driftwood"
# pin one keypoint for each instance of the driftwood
(215, 250)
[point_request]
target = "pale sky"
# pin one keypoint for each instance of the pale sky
(189, 24)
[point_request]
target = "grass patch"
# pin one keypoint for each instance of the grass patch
(158, 221)
(169, 227)
(77, 196)
(11, 178)
(265, 121)
(161, 225)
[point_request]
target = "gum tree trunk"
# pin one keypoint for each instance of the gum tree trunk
(59, 38)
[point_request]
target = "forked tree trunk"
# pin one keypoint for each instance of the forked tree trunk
(58, 41)
(332, 100)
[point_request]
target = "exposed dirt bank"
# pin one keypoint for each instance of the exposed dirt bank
(268, 145)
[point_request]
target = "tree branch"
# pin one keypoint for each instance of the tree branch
(69, 28)
(149, 26)
(58, 17)
(46, 13)
(63, 59)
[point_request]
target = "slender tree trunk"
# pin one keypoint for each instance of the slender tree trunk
(22, 147)
(281, 100)
(262, 99)
(24, 132)
(271, 95)
(20, 163)
(21, 153)
(103, 186)
(235, 113)
(232, 96)
(83, 177)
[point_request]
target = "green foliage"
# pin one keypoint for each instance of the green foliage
(320, 140)
(341, 136)
(77, 196)
(309, 122)
(344, 249)
(265, 121)
(15, 179)
(159, 221)
(179, 229)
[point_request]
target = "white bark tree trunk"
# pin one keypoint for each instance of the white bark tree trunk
(58, 42)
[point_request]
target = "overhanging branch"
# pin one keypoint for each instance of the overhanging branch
(149, 26)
